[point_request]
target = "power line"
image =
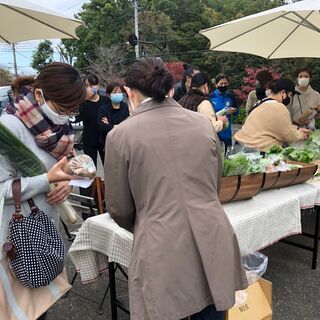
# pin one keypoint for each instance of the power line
(67, 9)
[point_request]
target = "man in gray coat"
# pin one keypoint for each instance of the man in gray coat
(162, 176)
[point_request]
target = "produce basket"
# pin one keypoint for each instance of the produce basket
(240, 187)
(289, 178)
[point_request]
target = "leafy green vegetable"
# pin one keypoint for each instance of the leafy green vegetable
(314, 139)
(305, 155)
(21, 157)
(237, 165)
(287, 151)
(275, 149)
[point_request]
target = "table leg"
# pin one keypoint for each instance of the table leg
(113, 292)
(316, 238)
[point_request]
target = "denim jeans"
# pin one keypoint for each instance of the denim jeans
(209, 313)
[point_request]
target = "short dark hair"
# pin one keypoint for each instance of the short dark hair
(200, 79)
(60, 82)
(283, 84)
(221, 76)
(92, 79)
(305, 69)
(264, 77)
(150, 77)
(188, 70)
(114, 84)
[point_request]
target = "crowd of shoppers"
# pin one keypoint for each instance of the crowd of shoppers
(160, 145)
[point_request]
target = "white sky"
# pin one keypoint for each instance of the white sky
(25, 49)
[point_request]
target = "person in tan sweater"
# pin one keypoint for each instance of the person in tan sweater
(269, 123)
(197, 100)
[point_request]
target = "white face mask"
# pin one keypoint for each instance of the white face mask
(53, 116)
(268, 91)
(303, 82)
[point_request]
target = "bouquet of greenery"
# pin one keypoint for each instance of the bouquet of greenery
(29, 165)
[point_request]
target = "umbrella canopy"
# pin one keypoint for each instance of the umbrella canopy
(21, 20)
(289, 31)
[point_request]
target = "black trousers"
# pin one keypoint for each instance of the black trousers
(92, 152)
(227, 144)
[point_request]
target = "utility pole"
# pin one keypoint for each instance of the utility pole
(14, 60)
(136, 27)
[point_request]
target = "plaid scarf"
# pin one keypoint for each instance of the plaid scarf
(56, 139)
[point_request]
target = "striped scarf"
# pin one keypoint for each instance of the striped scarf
(56, 139)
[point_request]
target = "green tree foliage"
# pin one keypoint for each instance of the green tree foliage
(43, 55)
(174, 25)
(68, 50)
(104, 22)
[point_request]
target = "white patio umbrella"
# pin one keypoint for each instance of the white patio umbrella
(21, 20)
(288, 31)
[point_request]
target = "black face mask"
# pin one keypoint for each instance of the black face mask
(260, 92)
(286, 100)
(222, 89)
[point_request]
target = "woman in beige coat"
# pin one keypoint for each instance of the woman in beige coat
(162, 175)
(269, 122)
(197, 99)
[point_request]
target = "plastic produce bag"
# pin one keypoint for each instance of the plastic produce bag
(81, 166)
(255, 265)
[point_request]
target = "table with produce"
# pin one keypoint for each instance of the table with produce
(263, 193)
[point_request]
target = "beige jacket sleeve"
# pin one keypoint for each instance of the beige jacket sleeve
(205, 107)
(119, 200)
(251, 101)
(284, 128)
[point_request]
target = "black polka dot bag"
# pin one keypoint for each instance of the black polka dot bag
(35, 247)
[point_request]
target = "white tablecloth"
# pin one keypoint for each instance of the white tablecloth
(258, 223)
(264, 219)
(99, 238)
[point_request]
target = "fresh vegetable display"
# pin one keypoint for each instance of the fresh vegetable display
(237, 165)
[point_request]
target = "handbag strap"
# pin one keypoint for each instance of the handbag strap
(16, 192)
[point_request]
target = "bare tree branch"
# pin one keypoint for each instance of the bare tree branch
(109, 63)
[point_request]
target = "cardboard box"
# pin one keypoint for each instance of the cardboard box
(258, 305)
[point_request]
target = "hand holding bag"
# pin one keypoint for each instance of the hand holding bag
(35, 247)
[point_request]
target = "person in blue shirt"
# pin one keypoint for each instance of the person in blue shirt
(223, 99)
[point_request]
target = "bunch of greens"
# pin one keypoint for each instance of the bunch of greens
(314, 139)
(237, 165)
(304, 152)
(275, 149)
(300, 155)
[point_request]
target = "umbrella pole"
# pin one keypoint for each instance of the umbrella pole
(14, 59)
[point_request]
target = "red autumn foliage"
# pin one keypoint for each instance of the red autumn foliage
(176, 69)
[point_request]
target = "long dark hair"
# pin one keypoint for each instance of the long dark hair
(60, 82)
(150, 77)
